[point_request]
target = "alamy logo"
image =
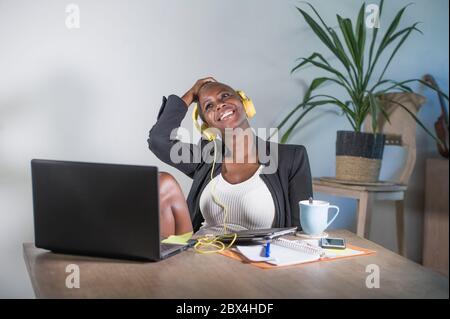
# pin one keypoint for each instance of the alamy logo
(373, 279)
(73, 279)
(373, 17)
(241, 141)
(73, 16)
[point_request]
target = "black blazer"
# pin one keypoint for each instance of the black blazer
(290, 183)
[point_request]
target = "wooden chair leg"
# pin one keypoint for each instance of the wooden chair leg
(400, 223)
(363, 214)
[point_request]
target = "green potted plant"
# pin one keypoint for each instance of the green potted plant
(359, 74)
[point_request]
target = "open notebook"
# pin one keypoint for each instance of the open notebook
(286, 252)
(283, 252)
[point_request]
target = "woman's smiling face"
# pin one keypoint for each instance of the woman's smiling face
(221, 106)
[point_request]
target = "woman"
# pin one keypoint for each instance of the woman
(255, 197)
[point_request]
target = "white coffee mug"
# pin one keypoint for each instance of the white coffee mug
(314, 216)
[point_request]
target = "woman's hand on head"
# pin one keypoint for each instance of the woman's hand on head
(192, 95)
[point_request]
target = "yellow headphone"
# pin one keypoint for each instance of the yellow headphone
(204, 128)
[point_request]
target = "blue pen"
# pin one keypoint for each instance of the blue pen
(267, 251)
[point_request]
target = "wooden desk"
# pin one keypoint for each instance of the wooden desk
(191, 275)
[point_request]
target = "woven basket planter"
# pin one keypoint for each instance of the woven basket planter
(358, 156)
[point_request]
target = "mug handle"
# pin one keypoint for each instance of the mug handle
(336, 215)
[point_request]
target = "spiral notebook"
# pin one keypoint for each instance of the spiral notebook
(283, 252)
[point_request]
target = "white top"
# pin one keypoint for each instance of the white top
(250, 205)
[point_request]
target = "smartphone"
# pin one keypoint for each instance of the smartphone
(335, 243)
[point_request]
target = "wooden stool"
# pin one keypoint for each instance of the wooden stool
(366, 195)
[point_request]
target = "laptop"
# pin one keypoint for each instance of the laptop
(94, 209)
(255, 236)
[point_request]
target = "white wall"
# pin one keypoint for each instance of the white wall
(92, 94)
